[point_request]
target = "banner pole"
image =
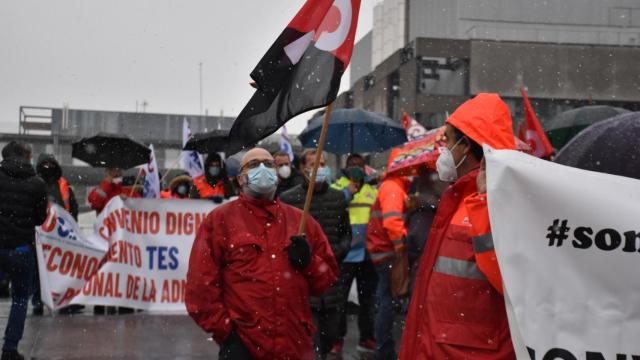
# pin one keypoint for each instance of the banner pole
(133, 187)
(312, 180)
(170, 168)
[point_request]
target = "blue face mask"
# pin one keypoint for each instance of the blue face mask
(262, 180)
(323, 175)
(214, 171)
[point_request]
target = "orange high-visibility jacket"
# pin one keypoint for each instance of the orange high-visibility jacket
(206, 190)
(386, 230)
(65, 193)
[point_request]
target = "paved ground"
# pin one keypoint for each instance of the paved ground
(139, 336)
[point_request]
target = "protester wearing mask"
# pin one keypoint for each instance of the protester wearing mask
(357, 264)
(424, 197)
(23, 206)
(58, 189)
(386, 244)
(251, 275)
(214, 184)
(111, 186)
(453, 321)
(178, 188)
(58, 192)
(329, 208)
(288, 176)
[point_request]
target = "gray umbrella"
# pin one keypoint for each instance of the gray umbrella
(611, 146)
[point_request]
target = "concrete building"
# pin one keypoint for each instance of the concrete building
(389, 31)
(588, 22)
(565, 53)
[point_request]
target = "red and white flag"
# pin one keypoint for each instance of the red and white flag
(531, 132)
(412, 127)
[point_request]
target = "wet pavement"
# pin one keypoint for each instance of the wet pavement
(136, 336)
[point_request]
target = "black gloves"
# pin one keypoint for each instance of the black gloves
(217, 199)
(232, 339)
(299, 252)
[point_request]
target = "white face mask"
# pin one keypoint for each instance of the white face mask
(284, 171)
(117, 180)
(446, 164)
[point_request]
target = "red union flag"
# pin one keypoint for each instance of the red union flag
(301, 71)
(531, 131)
(412, 127)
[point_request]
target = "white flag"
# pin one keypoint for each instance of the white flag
(151, 177)
(285, 145)
(190, 160)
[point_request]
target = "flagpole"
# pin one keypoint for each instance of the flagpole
(170, 168)
(133, 187)
(314, 172)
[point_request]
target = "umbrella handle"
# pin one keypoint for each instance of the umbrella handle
(314, 173)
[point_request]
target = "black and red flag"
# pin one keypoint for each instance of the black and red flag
(300, 72)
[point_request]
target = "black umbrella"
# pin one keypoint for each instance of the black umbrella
(611, 146)
(564, 126)
(209, 142)
(111, 151)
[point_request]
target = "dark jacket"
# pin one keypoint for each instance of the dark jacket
(289, 183)
(329, 208)
(51, 181)
(418, 222)
(23, 203)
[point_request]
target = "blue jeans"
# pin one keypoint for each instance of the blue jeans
(19, 264)
(385, 345)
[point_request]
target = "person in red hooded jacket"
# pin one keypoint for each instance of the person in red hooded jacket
(250, 276)
(457, 308)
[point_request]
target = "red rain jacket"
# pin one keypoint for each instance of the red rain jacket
(240, 278)
(457, 309)
(100, 195)
(386, 230)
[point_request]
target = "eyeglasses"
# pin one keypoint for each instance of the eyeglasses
(271, 164)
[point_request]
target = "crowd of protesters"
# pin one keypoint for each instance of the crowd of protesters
(265, 291)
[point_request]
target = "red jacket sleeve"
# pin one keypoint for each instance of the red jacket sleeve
(100, 195)
(322, 272)
(392, 198)
(482, 239)
(203, 291)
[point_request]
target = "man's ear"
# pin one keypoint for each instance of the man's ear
(467, 144)
(241, 178)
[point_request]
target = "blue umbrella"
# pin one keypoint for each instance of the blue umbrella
(355, 131)
(610, 146)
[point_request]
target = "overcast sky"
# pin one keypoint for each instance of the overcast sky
(106, 55)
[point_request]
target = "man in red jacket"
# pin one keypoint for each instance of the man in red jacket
(110, 187)
(457, 309)
(250, 276)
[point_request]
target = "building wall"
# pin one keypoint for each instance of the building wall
(388, 34)
(361, 59)
(551, 71)
(141, 126)
(598, 22)
(557, 77)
